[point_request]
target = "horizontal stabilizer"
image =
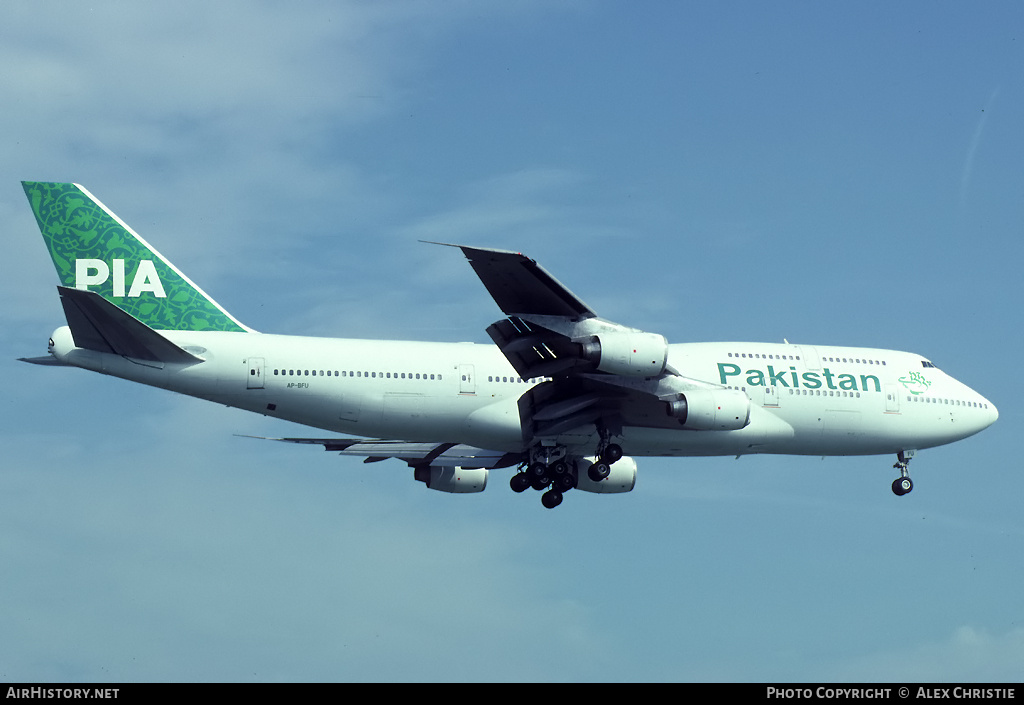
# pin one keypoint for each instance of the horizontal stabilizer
(48, 360)
(96, 324)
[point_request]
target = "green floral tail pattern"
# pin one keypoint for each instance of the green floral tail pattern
(76, 227)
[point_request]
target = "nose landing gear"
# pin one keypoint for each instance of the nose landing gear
(903, 484)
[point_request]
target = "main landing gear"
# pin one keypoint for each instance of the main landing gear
(552, 471)
(607, 454)
(605, 458)
(903, 484)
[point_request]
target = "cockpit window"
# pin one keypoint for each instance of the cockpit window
(925, 363)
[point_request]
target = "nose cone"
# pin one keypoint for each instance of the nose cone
(983, 416)
(993, 413)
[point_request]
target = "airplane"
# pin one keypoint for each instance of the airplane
(568, 399)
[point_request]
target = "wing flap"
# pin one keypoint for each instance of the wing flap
(534, 351)
(413, 453)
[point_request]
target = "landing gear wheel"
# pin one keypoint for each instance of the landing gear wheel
(902, 485)
(598, 471)
(564, 483)
(540, 475)
(541, 483)
(551, 499)
(612, 453)
(520, 482)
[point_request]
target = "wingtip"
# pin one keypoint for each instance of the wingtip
(471, 248)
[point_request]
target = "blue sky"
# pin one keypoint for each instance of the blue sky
(827, 173)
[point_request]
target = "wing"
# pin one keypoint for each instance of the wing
(600, 373)
(415, 454)
(520, 286)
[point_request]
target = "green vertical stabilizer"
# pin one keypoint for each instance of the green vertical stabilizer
(94, 250)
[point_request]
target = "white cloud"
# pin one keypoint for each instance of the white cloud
(970, 654)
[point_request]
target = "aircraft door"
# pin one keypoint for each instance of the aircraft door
(892, 399)
(254, 380)
(467, 379)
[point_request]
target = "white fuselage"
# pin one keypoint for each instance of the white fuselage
(804, 400)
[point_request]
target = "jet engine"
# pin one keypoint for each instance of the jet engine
(622, 477)
(628, 353)
(711, 409)
(452, 479)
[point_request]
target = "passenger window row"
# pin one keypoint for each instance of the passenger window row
(950, 402)
(764, 356)
(854, 360)
(811, 392)
(514, 380)
(357, 374)
(823, 393)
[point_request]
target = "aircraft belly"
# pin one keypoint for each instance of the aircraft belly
(763, 434)
(413, 417)
(496, 426)
(831, 432)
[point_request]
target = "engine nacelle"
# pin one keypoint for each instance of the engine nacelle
(452, 479)
(628, 353)
(621, 479)
(711, 409)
